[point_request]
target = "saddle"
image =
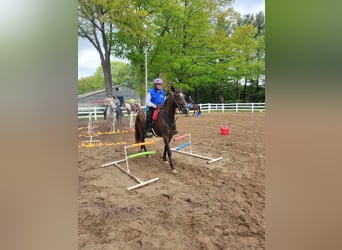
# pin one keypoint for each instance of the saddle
(155, 114)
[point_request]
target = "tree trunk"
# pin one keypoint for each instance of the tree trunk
(107, 76)
(244, 90)
(237, 91)
(257, 86)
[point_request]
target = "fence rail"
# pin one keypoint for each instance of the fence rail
(97, 111)
(233, 107)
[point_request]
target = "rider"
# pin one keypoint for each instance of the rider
(106, 102)
(117, 101)
(190, 99)
(191, 102)
(117, 104)
(155, 97)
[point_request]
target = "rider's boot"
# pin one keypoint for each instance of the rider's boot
(147, 129)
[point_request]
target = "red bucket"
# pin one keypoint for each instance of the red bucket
(225, 130)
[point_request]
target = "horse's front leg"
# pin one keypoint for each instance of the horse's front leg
(169, 154)
(164, 154)
(166, 142)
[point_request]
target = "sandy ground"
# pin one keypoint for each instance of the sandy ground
(205, 206)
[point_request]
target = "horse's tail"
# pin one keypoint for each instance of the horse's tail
(136, 130)
(139, 127)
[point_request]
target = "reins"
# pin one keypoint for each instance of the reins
(169, 117)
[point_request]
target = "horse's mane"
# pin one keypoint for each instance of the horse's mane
(166, 105)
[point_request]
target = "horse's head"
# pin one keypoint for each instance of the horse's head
(179, 100)
(111, 104)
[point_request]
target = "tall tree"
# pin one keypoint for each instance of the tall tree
(203, 46)
(122, 74)
(134, 35)
(95, 25)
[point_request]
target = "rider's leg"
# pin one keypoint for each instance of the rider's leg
(148, 123)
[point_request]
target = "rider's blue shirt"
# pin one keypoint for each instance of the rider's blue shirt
(157, 96)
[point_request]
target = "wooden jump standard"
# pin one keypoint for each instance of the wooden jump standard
(127, 170)
(190, 153)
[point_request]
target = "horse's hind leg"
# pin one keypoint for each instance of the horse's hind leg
(142, 139)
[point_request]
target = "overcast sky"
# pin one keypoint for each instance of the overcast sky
(89, 59)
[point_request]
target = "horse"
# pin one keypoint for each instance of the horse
(129, 109)
(195, 107)
(164, 125)
(111, 115)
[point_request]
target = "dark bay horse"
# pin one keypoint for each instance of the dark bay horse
(164, 125)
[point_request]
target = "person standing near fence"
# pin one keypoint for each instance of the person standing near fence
(190, 99)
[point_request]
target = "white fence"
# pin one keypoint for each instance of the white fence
(97, 111)
(233, 107)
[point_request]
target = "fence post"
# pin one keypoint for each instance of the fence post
(95, 113)
(236, 107)
(252, 107)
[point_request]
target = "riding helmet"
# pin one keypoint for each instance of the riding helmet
(158, 81)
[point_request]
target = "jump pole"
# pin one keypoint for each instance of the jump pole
(114, 119)
(90, 131)
(127, 171)
(90, 123)
(190, 153)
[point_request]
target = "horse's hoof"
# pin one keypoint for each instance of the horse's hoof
(166, 162)
(174, 171)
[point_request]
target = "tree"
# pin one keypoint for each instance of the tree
(122, 74)
(91, 83)
(95, 25)
(202, 46)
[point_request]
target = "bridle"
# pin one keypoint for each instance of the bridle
(177, 101)
(112, 105)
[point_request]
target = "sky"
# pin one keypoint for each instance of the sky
(89, 59)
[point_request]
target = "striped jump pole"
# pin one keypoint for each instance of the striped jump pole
(179, 148)
(127, 171)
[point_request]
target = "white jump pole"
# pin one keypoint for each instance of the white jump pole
(131, 124)
(141, 183)
(90, 131)
(114, 120)
(90, 123)
(190, 153)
